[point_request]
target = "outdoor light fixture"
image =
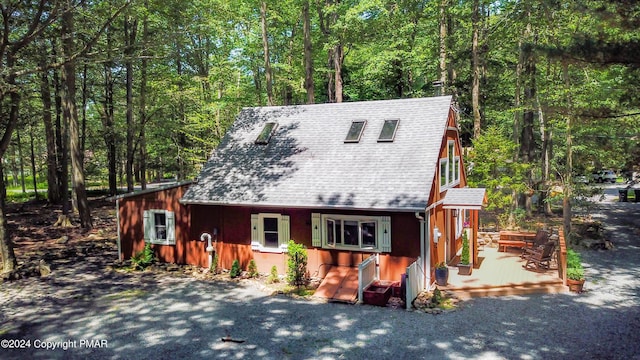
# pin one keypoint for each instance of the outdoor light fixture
(454, 212)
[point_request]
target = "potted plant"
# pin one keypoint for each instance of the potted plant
(442, 274)
(464, 266)
(575, 271)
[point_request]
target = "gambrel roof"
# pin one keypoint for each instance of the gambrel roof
(307, 163)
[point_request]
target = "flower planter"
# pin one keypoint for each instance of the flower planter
(575, 285)
(465, 269)
(377, 295)
(442, 276)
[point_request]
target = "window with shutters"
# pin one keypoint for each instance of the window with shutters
(351, 232)
(159, 227)
(269, 232)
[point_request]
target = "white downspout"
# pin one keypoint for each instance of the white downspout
(207, 237)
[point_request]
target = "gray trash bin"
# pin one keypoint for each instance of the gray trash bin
(622, 195)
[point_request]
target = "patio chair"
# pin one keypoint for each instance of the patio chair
(542, 237)
(540, 259)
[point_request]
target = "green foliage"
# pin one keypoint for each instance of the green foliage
(441, 265)
(143, 259)
(491, 166)
(575, 271)
(465, 256)
(235, 269)
(296, 263)
(273, 275)
(252, 269)
(214, 264)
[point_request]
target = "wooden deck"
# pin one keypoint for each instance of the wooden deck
(501, 273)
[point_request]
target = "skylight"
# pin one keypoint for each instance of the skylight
(388, 132)
(265, 134)
(355, 131)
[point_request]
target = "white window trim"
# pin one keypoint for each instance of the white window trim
(149, 227)
(383, 240)
(257, 233)
(455, 162)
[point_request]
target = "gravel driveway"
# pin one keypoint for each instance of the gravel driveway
(151, 316)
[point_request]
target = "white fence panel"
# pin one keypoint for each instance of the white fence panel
(368, 272)
(414, 281)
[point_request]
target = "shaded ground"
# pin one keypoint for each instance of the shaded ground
(158, 315)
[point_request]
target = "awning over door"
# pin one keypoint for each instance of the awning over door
(465, 198)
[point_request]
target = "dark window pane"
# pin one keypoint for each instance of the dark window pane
(388, 130)
(266, 133)
(368, 234)
(331, 230)
(270, 228)
(270, 239)
(351, 233)
(160, 219)
(271, 224)
(355, 131)
(160, 224)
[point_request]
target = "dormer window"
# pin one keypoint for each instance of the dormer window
(355, 131)
(265, 135)
(388, 132)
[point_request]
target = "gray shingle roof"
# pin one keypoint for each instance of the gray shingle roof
(307, 163)
(467, 198)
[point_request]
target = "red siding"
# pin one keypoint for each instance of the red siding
(233, 240)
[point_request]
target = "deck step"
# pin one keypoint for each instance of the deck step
(340, 285)
(514, 289)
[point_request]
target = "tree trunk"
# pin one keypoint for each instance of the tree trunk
(33, 162)
(70, 113)
(130, 38)
(9, 261)
(475, 89)
(20, 161)
(143, 108)
(308, 54)
(567, 190)
(443, 44)
(265, 45)
(338, 59)
(53, 184)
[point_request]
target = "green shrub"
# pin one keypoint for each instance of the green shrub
(143, 259)
(273, 276)
(235, 269)
(464, 256)
(252, 269)
(296, 263)
(575, 271)
(214, 264)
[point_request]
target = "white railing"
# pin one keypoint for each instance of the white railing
(414, 281)
(368, 272)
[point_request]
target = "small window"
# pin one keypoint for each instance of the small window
(269, 232)
(265, 134)
(270, 229)
(355, 131)
(388, 132)
(159, 227)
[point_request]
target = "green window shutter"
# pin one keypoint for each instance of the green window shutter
(316, 233)
(255, 228)
(147, 224)
(284, 234)
(171, 228)
(385, 222)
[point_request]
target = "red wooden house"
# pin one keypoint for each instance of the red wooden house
(347, 180)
